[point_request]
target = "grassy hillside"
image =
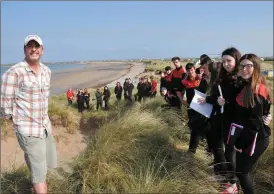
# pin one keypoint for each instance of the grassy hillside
(132, 148)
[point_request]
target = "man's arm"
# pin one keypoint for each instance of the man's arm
(8, 86)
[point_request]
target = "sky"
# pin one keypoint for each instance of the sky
(87, 30)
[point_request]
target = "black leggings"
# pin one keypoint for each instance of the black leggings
(99, 105)
(106, 104)
(195, 137)
(80, 106)
(199, 127)
(215, 142)
(245, 163)
(230, 153)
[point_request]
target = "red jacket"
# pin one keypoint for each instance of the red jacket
(70, 94)
(153, 85)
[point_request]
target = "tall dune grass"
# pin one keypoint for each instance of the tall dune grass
(133, 148)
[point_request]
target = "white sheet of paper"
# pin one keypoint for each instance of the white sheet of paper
(233, 130)
(204, 109)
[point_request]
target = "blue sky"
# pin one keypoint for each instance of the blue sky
(122, 30)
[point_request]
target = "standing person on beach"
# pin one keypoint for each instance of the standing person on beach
(77, 92)
(70, 96)
(126, 89)
(199, 125)
(81, 101)
(130, 89)
(141, 89)
(118, 90)
(147, 88)
(87, 96)
(24, 99)
(252, 104)
(153, 87)
(166, 78)
(136, 95)
(178, 74)
(99, 99)
(106, 97)
(227, 80)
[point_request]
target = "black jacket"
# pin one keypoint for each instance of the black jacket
(172, 100)
(81, 98)
(196, 120)
(177, 76)
(230, 90)
(106, 95)
(118, 90)
(251, 118)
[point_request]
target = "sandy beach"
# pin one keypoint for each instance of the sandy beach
(92, 75)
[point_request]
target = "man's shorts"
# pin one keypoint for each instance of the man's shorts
(40, 154)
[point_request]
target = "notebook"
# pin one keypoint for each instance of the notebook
(234, 133)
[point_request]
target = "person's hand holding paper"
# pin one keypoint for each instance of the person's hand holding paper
(221, 101)
(201, 100)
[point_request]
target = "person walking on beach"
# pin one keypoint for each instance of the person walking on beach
(24, 99)
(118, 90)
(106, 97)
(87, 96)
(99, 99)
(70, 96)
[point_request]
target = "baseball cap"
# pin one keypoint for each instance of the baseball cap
(162, 89)
(36, 38)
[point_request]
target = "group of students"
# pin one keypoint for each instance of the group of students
(241, 103)
(83, 97)
(145, 89)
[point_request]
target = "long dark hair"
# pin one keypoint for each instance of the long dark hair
(214, 68)
(233, 52)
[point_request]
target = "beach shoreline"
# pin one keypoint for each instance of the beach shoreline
(93, 75)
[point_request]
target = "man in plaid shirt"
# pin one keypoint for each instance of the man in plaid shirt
(24, 99)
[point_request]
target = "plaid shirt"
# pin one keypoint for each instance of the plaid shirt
(25, 99)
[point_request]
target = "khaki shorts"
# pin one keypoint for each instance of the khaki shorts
(40, 154)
